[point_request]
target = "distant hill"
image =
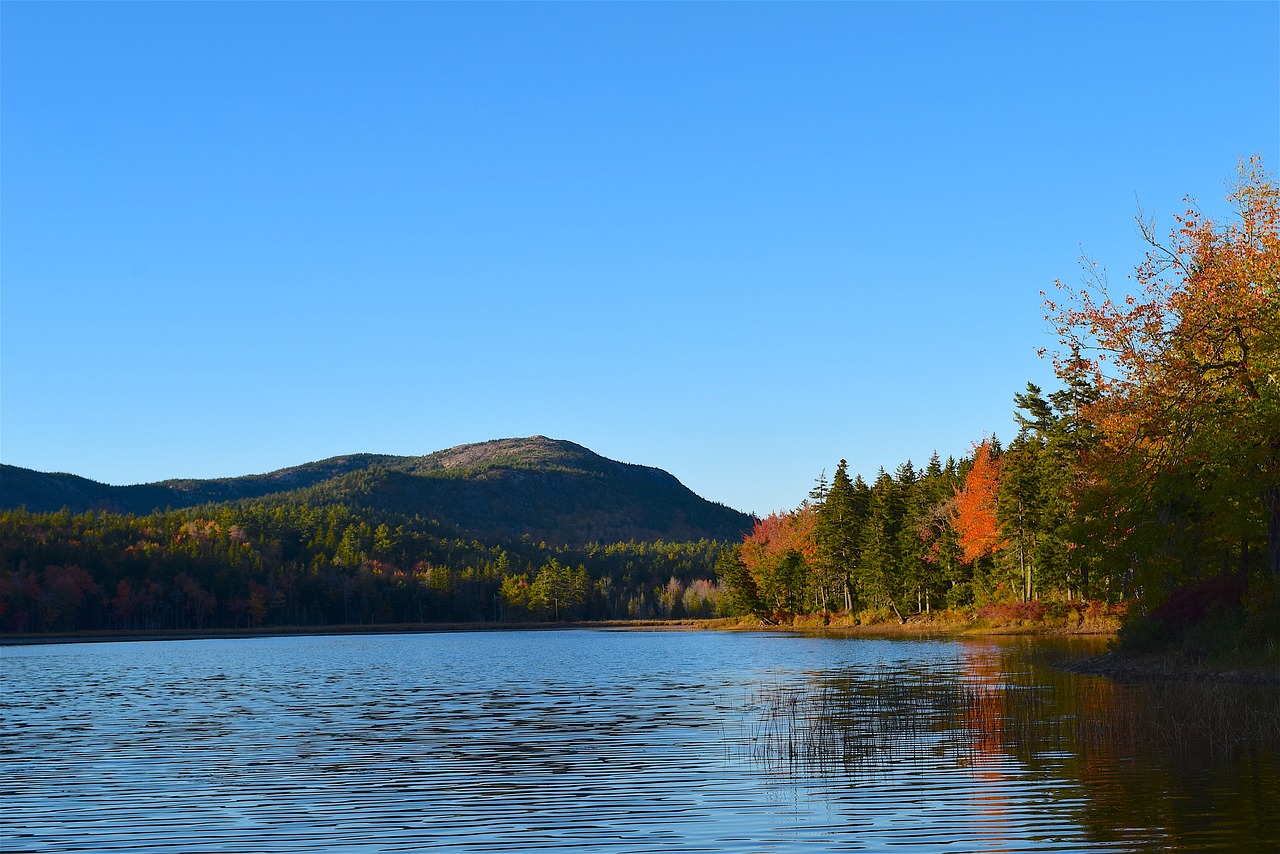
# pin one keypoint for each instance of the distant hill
(548, 489)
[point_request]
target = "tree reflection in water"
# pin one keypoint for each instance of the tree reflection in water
(1195, 765)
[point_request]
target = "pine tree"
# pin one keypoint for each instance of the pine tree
(840, 518)
(880, 564)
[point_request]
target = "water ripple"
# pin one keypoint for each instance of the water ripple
(525, 741)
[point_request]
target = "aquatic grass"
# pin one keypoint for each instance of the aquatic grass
(870, 724)
(862, 724)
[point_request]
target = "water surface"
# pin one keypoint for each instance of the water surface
(618, 741)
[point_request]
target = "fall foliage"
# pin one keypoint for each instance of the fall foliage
(974, 515)
(263, 564)
(1155, 466)
(1187, 370)
(778, 553)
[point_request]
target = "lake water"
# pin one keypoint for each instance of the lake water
(619, 741)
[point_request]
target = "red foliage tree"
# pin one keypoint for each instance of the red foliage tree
(974, 513)
(779, 553)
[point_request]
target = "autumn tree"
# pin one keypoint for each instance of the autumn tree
(974, 514)
(514, 591)
(1187, 371)
(780, 553)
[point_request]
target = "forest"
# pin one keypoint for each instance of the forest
(1151, 477)
(261, 563)
(1147, 482)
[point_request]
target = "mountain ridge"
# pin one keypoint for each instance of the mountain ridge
(552, 489)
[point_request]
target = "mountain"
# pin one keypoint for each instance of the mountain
(548, 489)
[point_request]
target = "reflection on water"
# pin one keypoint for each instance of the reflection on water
(618, 741)
(1173, 765)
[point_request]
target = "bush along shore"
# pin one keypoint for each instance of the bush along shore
(1033, 618)
(1219, 630)
(1223, 628)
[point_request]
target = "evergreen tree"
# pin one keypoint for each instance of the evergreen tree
(743, 594)
(839, 529)
(880, 564)
(1033, 413)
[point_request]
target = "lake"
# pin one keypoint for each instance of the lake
(620, 741)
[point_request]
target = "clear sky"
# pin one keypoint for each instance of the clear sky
(736, 241)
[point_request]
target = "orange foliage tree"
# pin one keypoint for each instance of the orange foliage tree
(780, 553)
(1188, 368)
(974, 513)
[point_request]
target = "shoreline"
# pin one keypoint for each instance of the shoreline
(1110, 664)
(727, 624)
(1171, 667)
(123, 635)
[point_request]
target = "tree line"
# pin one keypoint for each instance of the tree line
(995, 526)
(263, 563)
(1151, 475)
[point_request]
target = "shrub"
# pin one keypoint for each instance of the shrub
(1187, 606)
(1219, 631)
(1096, 610)
(1142, 633)
(1013, 613)
(1060, 613)
(1206, 618)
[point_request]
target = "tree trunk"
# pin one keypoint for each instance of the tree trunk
(1271, 500)
(1026, 578)
(1022, 559)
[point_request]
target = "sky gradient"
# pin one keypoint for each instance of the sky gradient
(735, 241)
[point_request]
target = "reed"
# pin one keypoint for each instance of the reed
(869, 724)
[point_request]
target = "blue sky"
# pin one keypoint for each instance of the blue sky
(735, 241)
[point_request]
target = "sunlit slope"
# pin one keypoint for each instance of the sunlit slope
(547, 489)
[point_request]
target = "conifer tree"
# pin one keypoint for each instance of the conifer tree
(880, 565)
(840, 517)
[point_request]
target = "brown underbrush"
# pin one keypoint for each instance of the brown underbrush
(1051, 618)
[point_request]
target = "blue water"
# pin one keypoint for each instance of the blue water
(584, 740)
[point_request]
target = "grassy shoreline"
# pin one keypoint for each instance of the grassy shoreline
(912, 628)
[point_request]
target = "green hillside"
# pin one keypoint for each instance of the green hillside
(547, 489)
